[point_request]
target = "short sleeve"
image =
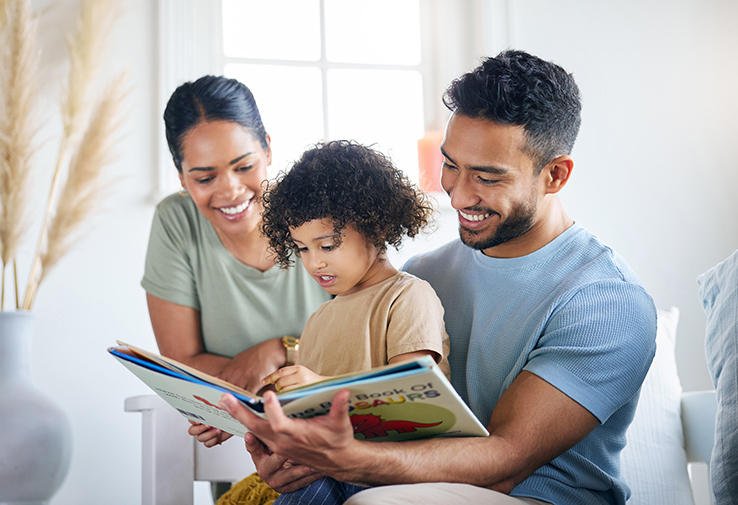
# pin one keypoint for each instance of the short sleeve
(169, 272)
(416, 322)
(598, 346)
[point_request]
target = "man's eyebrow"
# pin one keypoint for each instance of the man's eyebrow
(208, 169)
(482, 168)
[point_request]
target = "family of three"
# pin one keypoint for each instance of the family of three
(550, 332)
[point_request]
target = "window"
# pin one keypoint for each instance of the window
(368, 70)
(330, 69)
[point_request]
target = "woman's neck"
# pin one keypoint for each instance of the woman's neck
(250, 249)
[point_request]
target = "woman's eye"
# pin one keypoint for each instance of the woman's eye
(301, 250)
(204, 180)
(245, 168)
(328, 247)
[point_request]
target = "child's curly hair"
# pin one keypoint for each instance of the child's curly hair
(347, 183)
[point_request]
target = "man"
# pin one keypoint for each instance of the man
(551, 332)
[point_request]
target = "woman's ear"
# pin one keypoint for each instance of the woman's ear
(557, 173)
(269, 149)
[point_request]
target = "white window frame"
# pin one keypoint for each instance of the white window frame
(453, 38)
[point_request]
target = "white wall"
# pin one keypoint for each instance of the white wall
(654, 178)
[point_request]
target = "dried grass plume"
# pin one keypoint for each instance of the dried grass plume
(18, 123)
(85, 182)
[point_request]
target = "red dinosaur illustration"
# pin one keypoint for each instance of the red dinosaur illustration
(372, 426)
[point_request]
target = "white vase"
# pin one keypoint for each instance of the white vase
(35, 434)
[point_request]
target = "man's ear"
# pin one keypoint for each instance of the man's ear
(556, 174)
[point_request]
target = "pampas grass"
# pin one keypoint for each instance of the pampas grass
(18, 125)
(85, 183)
(86, 143)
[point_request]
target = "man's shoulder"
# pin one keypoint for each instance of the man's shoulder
(440, 257)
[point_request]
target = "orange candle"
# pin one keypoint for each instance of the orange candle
(430, 161)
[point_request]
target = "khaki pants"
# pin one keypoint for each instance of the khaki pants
(436, 493)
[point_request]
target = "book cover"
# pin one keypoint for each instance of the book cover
(405, 401)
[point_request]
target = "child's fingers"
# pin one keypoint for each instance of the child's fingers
(273, 377)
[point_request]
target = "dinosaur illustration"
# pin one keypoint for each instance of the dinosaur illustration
(371, 425)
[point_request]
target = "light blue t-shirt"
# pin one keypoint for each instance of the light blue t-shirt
(572, 313)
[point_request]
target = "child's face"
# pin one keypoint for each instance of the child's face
(340, 270)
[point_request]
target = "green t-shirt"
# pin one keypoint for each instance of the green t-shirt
(239, 306)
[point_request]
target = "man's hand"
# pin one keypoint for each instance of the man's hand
(311, 442)
(290, 377)
(282, 475)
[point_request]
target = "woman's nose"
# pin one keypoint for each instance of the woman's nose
(230, 186)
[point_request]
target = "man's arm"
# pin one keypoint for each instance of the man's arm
(532, 424)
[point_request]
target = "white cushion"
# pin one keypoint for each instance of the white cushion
(654, 461)
(719, 295)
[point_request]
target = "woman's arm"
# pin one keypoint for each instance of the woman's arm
(177, 331)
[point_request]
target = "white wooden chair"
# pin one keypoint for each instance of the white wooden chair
(173, 460)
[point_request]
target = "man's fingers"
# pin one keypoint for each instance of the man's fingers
(340, 406)
(294, 485)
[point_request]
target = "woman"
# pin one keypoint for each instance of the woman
(216, 301)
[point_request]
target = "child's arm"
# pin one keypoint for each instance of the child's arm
(290, 377)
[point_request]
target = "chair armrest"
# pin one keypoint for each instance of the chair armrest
(699, 409)
(172, 459)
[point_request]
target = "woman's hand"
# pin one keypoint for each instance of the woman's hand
(247, 368)
(291, 377)
(207, 435)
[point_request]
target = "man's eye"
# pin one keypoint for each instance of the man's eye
(448, 167)
(488, 181)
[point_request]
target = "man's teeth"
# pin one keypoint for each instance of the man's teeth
(474, 217)
(234, 210)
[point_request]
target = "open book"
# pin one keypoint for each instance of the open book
(409, 400)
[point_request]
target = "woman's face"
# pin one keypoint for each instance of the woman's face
(223, 167)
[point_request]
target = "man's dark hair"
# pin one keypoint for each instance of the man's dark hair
(517, 88)
(350, 184)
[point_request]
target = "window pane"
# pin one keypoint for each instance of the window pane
(378, 106)
(277, 29)
(376, 31)
(291, 106)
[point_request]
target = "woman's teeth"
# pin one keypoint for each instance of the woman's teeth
(474, 217)
(234, 210)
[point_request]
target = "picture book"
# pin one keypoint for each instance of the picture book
(404, 401)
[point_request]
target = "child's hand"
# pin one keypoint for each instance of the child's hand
(290, 377)
(207, 435)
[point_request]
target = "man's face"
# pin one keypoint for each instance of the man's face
(491, 183)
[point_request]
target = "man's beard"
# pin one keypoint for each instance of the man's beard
(519, 222)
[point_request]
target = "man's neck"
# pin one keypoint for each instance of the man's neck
(552, 221)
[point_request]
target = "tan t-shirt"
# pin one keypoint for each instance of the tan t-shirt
(366, 329)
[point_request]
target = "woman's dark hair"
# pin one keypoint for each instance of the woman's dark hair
(210, 98)
(347, 183)
(517, 88)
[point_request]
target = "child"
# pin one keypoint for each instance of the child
(339, 207)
